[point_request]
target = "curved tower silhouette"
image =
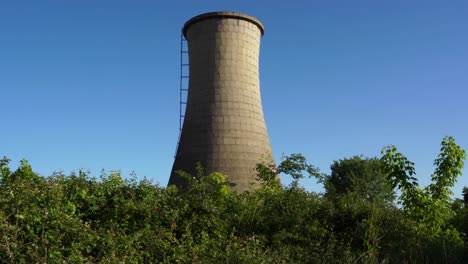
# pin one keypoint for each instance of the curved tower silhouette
(224, 128)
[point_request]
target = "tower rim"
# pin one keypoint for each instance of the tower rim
(222, 14)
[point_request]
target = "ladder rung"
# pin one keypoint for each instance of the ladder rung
(184, 76)
(185, 64)
(183, 103)
(184, 51)
(184, 90)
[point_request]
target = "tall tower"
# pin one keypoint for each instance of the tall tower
(224, 128)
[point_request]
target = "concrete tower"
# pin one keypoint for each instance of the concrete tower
(224, 128)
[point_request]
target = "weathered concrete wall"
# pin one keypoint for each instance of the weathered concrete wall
(224, 127)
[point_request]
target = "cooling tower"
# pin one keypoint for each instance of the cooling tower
(224, 128)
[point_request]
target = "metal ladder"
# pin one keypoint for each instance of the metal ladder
(183, 84)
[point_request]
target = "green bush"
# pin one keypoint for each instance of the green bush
(77, 218)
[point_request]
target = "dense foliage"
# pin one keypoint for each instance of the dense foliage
(78, 218)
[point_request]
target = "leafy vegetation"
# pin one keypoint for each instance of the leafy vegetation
(79, 218)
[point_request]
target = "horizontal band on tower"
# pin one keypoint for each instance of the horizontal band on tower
(223, 14)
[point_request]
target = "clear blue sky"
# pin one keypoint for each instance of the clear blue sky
(94, 84)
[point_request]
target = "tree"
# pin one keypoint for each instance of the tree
(465, 195)
(359, 178)
(428, 208)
